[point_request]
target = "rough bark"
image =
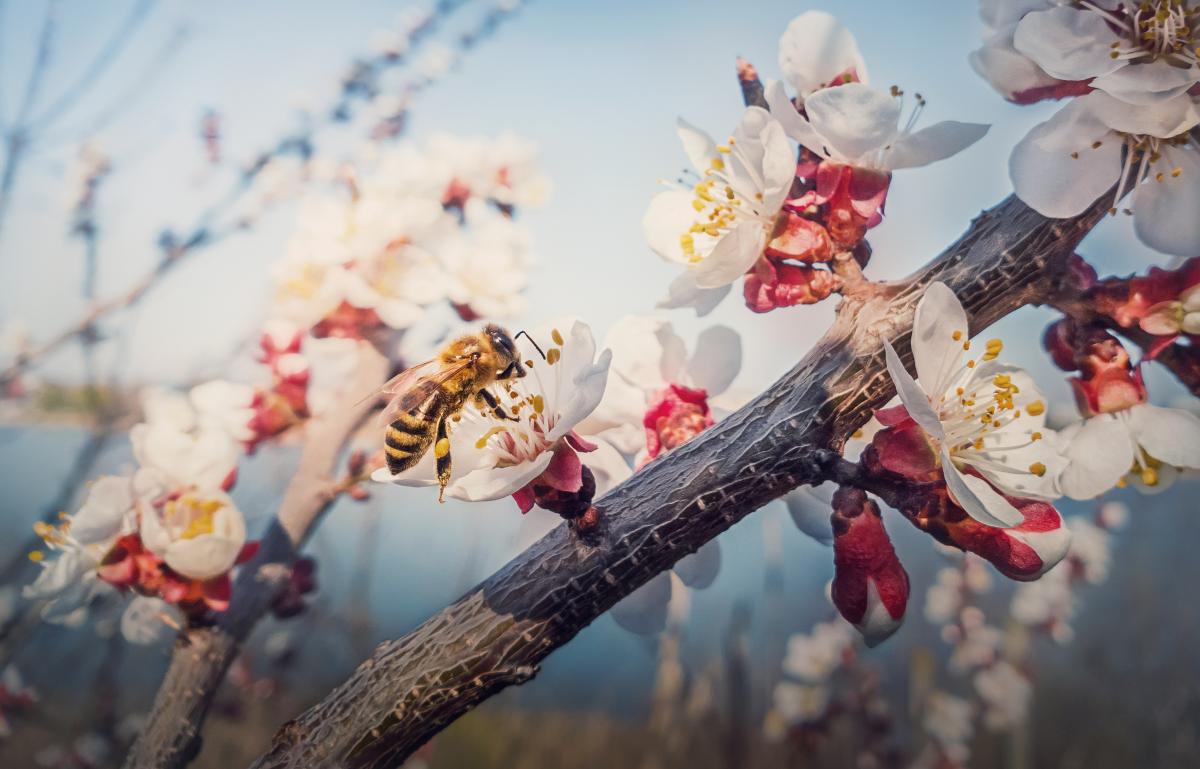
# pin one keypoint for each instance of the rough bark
(202, 655)
(497, 634)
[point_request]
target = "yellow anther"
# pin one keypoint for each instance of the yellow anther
(1036, 409)
(857, 434)
(539, 403)
(1149, 476)
(37, 556)
(723, 149)
(552, 356)
(970, 364)
(959, 391)
(1038, 469)
(482, 442)
(556, 335)
(717, 164)
(1036, 436)
(966, 345)
(957, 336)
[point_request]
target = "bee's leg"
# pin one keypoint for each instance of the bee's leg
(496, 408)
(441, 452)
(514, 369)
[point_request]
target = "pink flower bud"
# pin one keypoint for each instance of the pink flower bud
(870, 587)
(675, 414)
(1108, 381)
(800, 238)
(771, 285)
(1022, 553)
(1059, 341)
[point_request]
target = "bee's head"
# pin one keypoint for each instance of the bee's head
(503, 344)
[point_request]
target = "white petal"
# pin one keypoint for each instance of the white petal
(877, 624)
(104, 512)
(911, 395)
(644, 611)
(698, 145)
(1165, 213)
(669, 216)
(814, 49)
(496, 483)
(811, 514)
(168, 407)
(1056, 170)
(735, 252)
(999, 13)
(1005, 68)
(1051, 546)
(936, 353)
(700, 569)
(1171, 436)
(202, 557)
(853, 119)
(606, 464)
(1163, 119)
(975, 496)
(778, 168)
(59, 575)
(683, 292)
(1068, 44)
(143, 621)
(716, 361)
(587, 379)
(936, 142)
(794, 124)
(1149, 83)
(1099, 452)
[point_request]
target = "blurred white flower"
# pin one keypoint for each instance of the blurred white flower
(647, 356)
(1005, 693)
(814, 656)
(68, 580)
(975, 642)
(950, 721)
(199, 534)
(188, 449)
(148, 620)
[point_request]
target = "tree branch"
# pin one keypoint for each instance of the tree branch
(202, 655)
(497, 634)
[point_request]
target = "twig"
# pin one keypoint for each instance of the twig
(170, 737)
(497, 635)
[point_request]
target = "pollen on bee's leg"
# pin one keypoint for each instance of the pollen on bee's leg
(441, 448)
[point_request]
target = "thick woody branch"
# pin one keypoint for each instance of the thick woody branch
(202, 655)
(498, 634)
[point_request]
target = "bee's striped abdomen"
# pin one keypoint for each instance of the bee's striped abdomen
(407, 439)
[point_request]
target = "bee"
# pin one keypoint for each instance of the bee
(429, 395)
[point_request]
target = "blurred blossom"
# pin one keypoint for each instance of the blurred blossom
(15, 698)
(816, 655)
(975, 643)
(649, 357)
(949, 721)
(91, 166)
(1005, 693)
(148, 620)
(436, 61)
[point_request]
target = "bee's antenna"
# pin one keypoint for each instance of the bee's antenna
(535, 344)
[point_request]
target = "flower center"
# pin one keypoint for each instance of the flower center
(719, 204)
(525, 439)
(193, 514)
(1154, 30)
(1144, 153)
(972, 408)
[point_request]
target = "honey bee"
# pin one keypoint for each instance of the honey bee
(427, 396)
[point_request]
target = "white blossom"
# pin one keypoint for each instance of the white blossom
(1146, 446)
(989, 418)
(717, 230)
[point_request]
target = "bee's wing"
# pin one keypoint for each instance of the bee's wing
(415, 387)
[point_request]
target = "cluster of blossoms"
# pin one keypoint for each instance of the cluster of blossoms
(1122, 439)
(169, 533)
(1131, 72)
(795, 188)
(429, 225)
